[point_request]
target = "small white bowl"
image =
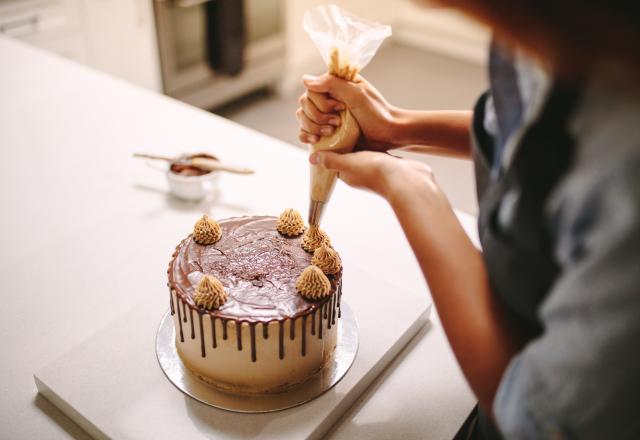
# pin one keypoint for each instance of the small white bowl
(192, 188)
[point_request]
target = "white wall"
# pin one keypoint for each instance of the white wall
(121, 35)
(302, 55)
(431, 28)
(441, 30)
(115, 36)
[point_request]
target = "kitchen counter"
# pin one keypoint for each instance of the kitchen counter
(87, 232)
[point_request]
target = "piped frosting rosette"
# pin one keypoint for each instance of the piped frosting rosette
(290, 223)
(313, 238)
(210, 293)
(327, 259)
(313, 283)
(206, 231)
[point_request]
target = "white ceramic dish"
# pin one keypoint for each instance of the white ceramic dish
(191, 188)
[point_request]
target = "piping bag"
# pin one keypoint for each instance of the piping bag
(346, 43)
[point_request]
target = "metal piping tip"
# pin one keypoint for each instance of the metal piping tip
(315, 212)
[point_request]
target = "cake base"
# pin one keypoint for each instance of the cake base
(322, 381)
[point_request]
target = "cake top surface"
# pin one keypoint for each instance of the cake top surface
(257, 266)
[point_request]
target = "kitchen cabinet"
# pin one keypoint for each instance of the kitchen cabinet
(115, 36)
(54, 25)
(122, 40)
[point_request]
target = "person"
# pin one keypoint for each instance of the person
(545, 320)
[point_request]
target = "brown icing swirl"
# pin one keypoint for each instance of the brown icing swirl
(327, 259)
(257, 266)
(210, 293)
(290, 223)
(206, 231)
(313, 283)
(313, 238)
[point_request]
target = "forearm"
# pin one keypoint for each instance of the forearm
(471, 315)
(444, 132)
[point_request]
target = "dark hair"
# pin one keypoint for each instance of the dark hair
(568, 33)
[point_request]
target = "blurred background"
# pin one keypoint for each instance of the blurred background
(243, 59)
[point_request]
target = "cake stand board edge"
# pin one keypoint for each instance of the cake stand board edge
(112, 386)
(68, 410)
(376, 370)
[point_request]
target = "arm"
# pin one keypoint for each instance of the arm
(472, 318)
(383, 125)
(445, 133)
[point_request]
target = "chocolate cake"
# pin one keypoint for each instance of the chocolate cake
(265, 336)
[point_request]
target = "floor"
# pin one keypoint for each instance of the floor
(407, 77)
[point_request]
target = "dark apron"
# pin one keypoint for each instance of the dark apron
(514, 231)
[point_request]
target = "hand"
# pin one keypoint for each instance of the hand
(326, 95)
(381, 173)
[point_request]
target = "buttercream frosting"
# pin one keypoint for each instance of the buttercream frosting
(206, 231)
(313, 283)
(327, 259)
(313, 238)
(290, 223)
(210, 293)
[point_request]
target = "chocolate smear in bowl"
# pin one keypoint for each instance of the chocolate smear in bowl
(190, 170)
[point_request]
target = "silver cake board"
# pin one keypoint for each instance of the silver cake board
(331, 373)
(112, 386)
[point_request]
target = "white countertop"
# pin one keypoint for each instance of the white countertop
(86, 233)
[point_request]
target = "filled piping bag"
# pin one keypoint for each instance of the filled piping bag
(346, 43)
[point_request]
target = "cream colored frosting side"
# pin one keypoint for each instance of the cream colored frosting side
(327, 259)
(210, 293)
(206, 231)
(313, 283)
(232, 369)
(313, 238)
(290, 223)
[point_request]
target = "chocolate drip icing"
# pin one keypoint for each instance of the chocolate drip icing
(304, 335)
(326, 311)
(281, 339)
(252, 332)
(239, 334)
(193, 331)
(261, 290)
(213, 332)
(180, 322)
(201, 334)
(335, 306)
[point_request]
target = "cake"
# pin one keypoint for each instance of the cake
(252, 312)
